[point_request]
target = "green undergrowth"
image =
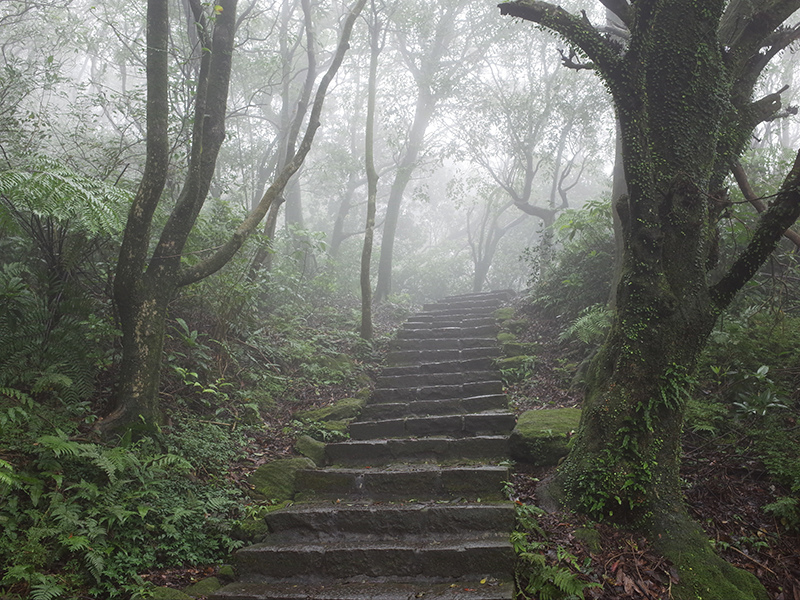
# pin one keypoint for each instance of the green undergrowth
(546, 570)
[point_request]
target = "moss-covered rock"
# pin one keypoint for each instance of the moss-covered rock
(520, 349)
(163, 593)
(515, 368)
(276, 480)
(540, 437)
(226, 573)
(504, 314)
(311, 448)
(346, 408)
(516, 325)
(505, 337)
(204, 587)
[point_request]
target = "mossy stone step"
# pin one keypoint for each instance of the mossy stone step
(423, 321)
(443, 343)
(426, 333)
(472, 589)
(446, 366)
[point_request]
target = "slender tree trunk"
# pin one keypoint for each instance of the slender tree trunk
(372, 176)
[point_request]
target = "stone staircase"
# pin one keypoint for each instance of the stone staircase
(412, 505)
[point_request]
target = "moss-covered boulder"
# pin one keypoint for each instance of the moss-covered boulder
(540, 437)
(520, 349)
(504, 314)
(163, 593)
(311, 448)
(204, 587)
(276, 480)
(505, 337)
(226, 573)
(346, 408)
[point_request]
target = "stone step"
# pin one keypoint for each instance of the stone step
(436, 392)
(448, 406)
(438, 332)
(415, 450)
(403, 483)
(422, 321)
(456, 425)
(504, 295)
(388, 521)
(412, 356)
(417, 380)
(474, 304)
(369, 590)
(445, 366)
(429, 556)
(454, 343)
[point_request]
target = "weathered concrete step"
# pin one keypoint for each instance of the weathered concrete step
(444, 556)
(416, 380)
(448, 406)
(368, 590)
(445, 366)
(500, 423)
(427, 333)
(413, 356)
(416, 450)
(389, 521)
(436, 392)
(451, 343)
(425, 482)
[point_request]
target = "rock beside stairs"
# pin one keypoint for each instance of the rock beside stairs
(412, 505)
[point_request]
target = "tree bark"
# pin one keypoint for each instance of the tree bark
(672, 87)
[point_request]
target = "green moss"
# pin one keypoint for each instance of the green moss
(519, 349)
(504, 337)
(503, 314)
(516, 325)
(346, 408)
(703, 574)
(311, 448)
(276, 480)
(226, 573)
(204, 587)
(164, 593)
(540, 437)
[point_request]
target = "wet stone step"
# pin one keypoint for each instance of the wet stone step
(437, 392)
(426, 333)
(444, 449)
(448, 406)
(427, 557)
(422, 321)
(446, 366)
(450, 425)
(465, 589)
(455, 343)
(435, 379)
(424, 483)
(485, 304)
(389, 521)
(414, 356)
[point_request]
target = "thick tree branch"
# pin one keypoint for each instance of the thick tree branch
(601, 51)
(221, 257)
(620, 8)
(783, 212)
(750, 195)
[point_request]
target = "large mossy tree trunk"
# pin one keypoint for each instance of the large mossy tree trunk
(678, 96)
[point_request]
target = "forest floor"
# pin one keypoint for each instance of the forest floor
(723, 494)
